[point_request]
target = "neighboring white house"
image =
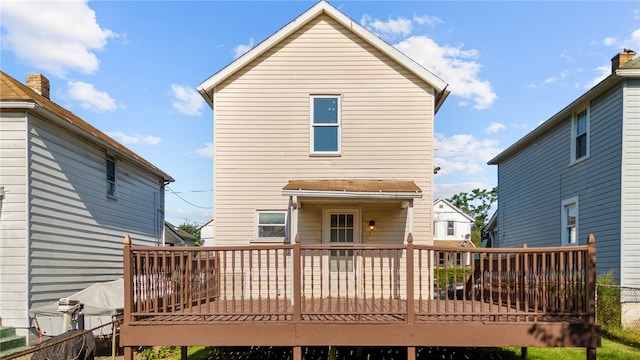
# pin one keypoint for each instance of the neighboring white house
(579, 173)
(326, 131)
(451, 228)
(206, 233)
(450, 223)
(68, 196)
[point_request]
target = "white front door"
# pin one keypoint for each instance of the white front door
(341, 266)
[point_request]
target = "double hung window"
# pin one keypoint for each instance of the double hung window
(271, 225)
(111, 176)
(569, 219)
(325, 125)
(580, 136)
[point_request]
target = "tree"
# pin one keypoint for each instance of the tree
(193, 229)
(477, 205)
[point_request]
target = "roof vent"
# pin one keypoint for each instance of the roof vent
(621, 58)
(38, 83)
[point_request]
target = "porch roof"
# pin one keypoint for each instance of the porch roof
(380, 189)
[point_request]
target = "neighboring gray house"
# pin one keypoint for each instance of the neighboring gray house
(68, 196)
(579, 173)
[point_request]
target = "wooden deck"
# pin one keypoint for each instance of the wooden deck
(392, 295)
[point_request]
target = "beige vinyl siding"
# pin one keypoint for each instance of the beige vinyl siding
(262, 126)
(13, 220)
(630, 198)
(76, 231)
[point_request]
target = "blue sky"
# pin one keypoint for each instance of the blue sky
(131, 68)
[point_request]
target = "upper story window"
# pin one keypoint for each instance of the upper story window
(580, 136)
(569, 218)
(111, 176)
(450, 228)
(271, 225)
(325, 125)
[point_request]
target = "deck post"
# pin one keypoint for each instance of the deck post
(410, 283)
(591, 288)
(297, 287)
(128, 290)
(411, 353)
(297, 353)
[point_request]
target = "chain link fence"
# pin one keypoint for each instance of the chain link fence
(618, 306)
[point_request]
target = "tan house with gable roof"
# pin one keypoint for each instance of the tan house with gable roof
(322, 130)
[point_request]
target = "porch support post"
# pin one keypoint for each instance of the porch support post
(128, 353)
(293, 207)
(410, 216)
(411, 353)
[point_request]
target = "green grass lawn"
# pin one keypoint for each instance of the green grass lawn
(610, 350)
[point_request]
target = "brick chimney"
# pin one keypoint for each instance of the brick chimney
(621, 58)
(38, 83)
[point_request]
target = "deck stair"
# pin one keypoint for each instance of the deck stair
(10, 343)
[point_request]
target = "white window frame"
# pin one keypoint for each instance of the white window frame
(564, 226)
(574, 135)
(452, 227)
(111, 188)
(313, 125)
(278, 239)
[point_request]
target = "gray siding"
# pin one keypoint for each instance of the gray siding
(535, 181)
(76, 230)
(630, 226)
(13, 219)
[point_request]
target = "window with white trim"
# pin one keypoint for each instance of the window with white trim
(580, 135)
(325, 125)
(111, 176)
(451, 226)
(271, 225)
(569, 218)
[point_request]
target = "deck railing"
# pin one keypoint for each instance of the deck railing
(404, 283)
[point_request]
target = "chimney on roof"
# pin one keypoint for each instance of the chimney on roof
(621, 58)
(38, 83)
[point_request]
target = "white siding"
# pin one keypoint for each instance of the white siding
(441, 216)
(13, 219)
(630, 185)
(262, 126)
(76, 231)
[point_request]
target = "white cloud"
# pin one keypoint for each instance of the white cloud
(552, 79)
(206, 151)
(134, 139)
(56, 36)
(601, 73)
(608, 41)
(463, 153)
(241, 49)
(89, 97)
(494, 127)
(456, 66)
(426, 19)
(187, 100)
(388, 30)
(631, 42)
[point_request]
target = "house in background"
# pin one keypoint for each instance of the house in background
(326, 131)
(451, 228)
(206, 233)
(579, 173)
(68, 196)
(174, 236)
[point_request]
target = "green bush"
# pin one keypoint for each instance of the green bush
(608, 308)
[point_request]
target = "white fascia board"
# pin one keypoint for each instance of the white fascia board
(208, 85)
(352, 194)
(17, 104)
(633, 73)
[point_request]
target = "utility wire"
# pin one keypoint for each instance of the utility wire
(183, 199)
